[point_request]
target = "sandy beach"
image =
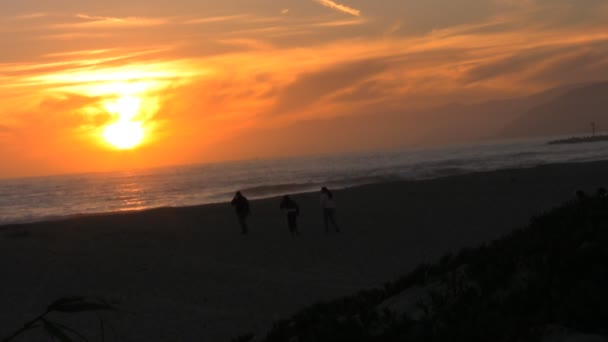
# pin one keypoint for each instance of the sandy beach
(186, 274)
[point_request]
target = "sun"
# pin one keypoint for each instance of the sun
(125, 133)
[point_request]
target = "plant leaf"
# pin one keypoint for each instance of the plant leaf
(56, 331)
(84, 306)
(64, 301)
(68, 329)
(80, 304)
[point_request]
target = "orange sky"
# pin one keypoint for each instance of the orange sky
(206, 81)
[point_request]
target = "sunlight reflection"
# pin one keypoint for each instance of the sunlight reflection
(131, 197)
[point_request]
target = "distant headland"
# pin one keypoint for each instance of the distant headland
(579, 140)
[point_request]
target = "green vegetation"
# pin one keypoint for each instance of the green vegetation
(553, 273)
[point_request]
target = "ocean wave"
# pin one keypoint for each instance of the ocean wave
(33, 199)
(525, 154)
(446, 172)
(293, 188)
(355, 181)
(268, 190)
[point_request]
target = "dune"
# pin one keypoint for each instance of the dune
(186, 274)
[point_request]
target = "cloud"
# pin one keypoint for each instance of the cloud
(30, 16)
(584, 64)
(98, 18)
(313, 87)
(217, 19)
(515, 64)
(92, 21)
(339, 7)
(339, 23)
(544, 59)
(515, 3)
(365, 91)
(79, 53)
(73, 36)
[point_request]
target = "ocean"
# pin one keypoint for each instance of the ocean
(43, 198)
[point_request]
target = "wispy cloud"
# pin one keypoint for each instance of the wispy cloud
(338, 23)
(31, 16)
(99, 18)
(91, 21)
(72, 36)
(78, 53)
(515, 3)
(339, 7)
(217, 19)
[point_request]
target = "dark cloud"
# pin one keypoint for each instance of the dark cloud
(371, 89)
(582, 65)
(514, 64)
(310, 88)
(549, 65)
(420, 17)
(424, 16)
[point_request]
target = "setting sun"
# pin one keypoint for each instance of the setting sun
(126, 132)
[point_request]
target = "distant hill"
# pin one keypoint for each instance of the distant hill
(459, 122)
(568, 114)
(546, 282)
(580, 140)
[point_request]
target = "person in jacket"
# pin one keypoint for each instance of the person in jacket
(241, 207)
(291, 210)
(328, 205)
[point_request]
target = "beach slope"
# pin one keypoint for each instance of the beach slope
(186, 274)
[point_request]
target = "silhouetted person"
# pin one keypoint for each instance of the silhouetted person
(241, 206)
(328, 205)
(292, 210)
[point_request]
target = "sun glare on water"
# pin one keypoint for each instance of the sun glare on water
(126, 132)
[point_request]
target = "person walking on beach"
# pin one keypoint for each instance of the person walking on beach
(292, 210)
(241, 206)
(329, 209)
